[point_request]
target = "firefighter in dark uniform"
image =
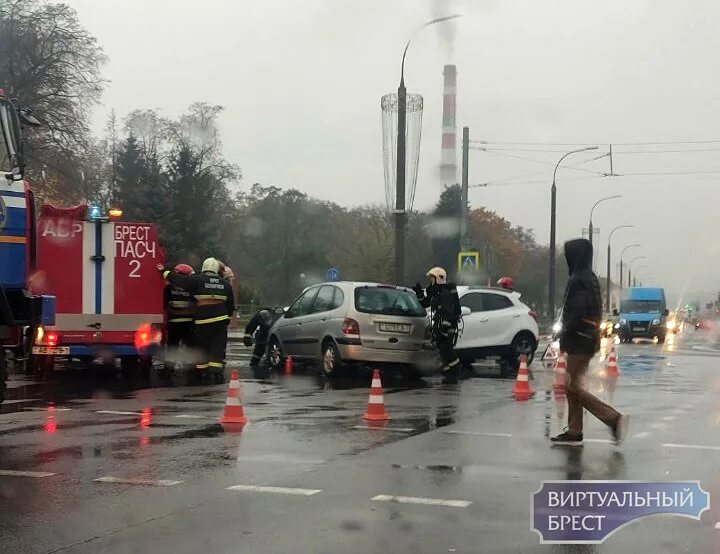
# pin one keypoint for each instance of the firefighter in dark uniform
(442, 299)
(179, 308)
(258, 328)
(214, 306)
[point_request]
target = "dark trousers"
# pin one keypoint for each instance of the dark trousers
(211, 340)
(578, 398)
(258, 351)
(180, 333)
(446, 349)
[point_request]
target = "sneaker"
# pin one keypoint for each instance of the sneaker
(620, 429)
(567, 439)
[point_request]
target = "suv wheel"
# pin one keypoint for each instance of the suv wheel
(524, 343)
(331, 361)
(275, 357)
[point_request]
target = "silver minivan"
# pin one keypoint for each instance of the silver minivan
(346, 323)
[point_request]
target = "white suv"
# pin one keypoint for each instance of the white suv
(496, 323)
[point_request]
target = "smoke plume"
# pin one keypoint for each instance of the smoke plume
(447, 30)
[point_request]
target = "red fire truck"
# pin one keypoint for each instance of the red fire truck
(109, 293)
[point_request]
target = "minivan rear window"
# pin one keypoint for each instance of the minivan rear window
(387, 301)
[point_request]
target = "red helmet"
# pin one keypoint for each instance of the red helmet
(505, 282)
(184, 269)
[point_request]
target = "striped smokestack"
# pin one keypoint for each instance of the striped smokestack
(448, 153)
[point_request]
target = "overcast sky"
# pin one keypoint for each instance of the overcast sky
(301, 82)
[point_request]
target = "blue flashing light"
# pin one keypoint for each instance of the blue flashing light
(94, 213)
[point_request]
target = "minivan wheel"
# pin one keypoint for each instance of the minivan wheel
(331, 361)
(276, 359)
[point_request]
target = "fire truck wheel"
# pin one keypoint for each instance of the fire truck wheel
(40, 366)
(3, 375)
(136, 366)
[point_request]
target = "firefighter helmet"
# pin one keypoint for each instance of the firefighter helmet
(211, 265)
(438, 274)
(184, 269)
(506, 283)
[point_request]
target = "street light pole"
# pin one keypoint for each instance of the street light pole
(621, 261)
(607, 275)
(400, 213)
(630, 267)
(637, 271)
(553, 195)
(590, 226)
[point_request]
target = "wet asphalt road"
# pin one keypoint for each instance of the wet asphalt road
(123, 466)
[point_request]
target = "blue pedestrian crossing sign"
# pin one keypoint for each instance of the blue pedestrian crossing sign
(332, 275)
(469, 261)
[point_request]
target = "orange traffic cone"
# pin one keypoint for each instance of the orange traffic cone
(288, 365)
(560, 374)
(376, 404)
(612, 367)
(521, 389)
(234, 413)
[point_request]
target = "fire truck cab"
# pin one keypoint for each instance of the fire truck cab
(20, 311)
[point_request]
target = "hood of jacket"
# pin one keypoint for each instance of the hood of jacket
(578, 254)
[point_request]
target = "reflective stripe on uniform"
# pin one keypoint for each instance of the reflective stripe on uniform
(201, 366)
(166, 273)
(180, 320)
(179, 304)
(212, 320)
(215, 364)
(222, 297)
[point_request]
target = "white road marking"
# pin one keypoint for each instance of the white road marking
(668, 418)
(47, 409)
(191, 416)
(691, 446)
(280, 458)
(717, 525)
(298, 423)
(145, 482)
(396, 429)
(13, 473)
(8, 402)
(642, 435)
(479, 434)
(423, 501)
(275, 490)
(657, 425)
(601, 441)
(114, 412)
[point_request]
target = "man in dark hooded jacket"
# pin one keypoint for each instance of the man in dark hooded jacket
(580, 339)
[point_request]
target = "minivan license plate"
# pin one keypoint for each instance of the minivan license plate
(395, 328)
(638, 328)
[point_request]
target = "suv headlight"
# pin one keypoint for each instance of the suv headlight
(656, 321)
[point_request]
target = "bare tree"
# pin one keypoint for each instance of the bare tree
(52, 64)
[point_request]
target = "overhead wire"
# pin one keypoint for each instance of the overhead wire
(538, 143)
(541, 162)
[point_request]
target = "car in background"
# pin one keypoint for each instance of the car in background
(705, 324)
(343, 324)
(496, 324)
(643, 314)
